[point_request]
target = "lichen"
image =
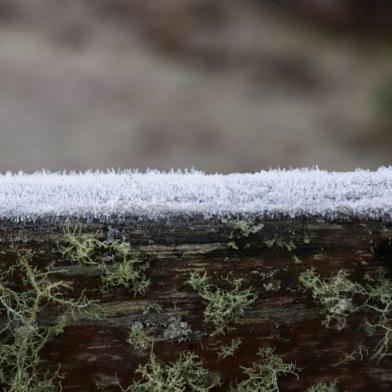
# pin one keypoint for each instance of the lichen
(224, 308)
(23, 338)
(228, 350)
(379, 300)
(323, 387)
(176, 330)
(116, 260)
(358, 354)
(242, 229)
(128, 273)
(77, 246)
(281, 243)
(187, 373)
(334, 294)
(270, 280)
(139, 337)
(264, 374)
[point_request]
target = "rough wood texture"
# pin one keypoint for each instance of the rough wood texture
(288, 318)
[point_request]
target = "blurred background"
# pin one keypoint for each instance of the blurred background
(219, 85)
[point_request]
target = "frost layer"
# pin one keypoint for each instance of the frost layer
(268, 194)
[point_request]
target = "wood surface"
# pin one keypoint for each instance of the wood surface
(96, 348)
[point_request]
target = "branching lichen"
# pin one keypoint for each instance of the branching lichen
(228, 350)
(379, 300)
(185, 374)
(128, 273)
(358, 354)
(77, 246)
(22, 338)
(117, 261)
(281, 243)
(334, 294)
(263, 375)
(139, 337)
(323, 387)
(224, 308)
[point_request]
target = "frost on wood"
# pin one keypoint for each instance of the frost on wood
(152, 195)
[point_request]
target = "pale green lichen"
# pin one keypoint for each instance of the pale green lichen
(224, 308)
(242, 229)
(334, 294)
(281, 243)
(23, 338)
(270, 280)
(232, 245)
(128, 273)
(358, 354)
(228, 350)
(296, 260)
(263, 375)
(117, 262)
(323, 387)
(185, 374)
(379, 300)
(77, 246)
(139, 337)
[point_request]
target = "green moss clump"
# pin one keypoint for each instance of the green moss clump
(334, 294)
(224, 308)
(22, 338)
(185, 374)
(323, 387)
(263, 375)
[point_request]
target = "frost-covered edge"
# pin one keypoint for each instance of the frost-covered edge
(269, 194)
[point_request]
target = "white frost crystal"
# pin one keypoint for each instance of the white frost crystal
(268, 194)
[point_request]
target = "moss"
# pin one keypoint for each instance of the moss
(228, 350)
(224, 308)
(22, 339)
(263, 375)
(185, 374)
(334, 294)
(323, 387)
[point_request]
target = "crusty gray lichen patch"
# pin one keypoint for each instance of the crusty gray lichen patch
(177, 330)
